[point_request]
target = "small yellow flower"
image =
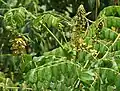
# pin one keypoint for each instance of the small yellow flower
(113, 28)
(18, 46)
(89, 46)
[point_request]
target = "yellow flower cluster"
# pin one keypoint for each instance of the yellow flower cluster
(18, 46)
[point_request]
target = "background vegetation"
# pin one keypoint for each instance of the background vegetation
(36, 52)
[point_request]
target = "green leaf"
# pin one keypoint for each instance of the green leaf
(97, 46)
(12, 3)
(87, 76)
(106, 33)
(9, 82)
(91, 88)
(113, 36)
(26, 2)
(91, 4)
(47, 74)
(117, 82)
(33, 76)
(110, 75)
(118, 45)
(110, 88)
(2, 77)
(102, 48)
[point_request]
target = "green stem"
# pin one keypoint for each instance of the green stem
(53, 35)
(4, 3)
(111, 46)
(97, 6)
(15, 87)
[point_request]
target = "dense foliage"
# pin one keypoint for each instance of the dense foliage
(52, 45)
